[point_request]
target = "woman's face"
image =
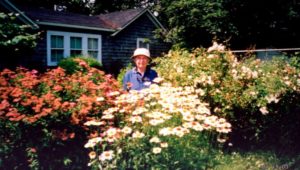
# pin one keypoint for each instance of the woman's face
(141, 61)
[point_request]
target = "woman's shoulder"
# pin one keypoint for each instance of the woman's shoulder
(129, 72)
(149, 68)
(152, 71)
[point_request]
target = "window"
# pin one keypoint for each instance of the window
(143, 43)
(75, 46)
(64, 44)
(57, 48)
(93, 47)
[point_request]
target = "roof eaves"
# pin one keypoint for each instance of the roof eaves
(151, 17)
(7, 4)
(155, 20)
(136, 17)
(74, 26)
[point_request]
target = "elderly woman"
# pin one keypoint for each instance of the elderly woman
(141, 76)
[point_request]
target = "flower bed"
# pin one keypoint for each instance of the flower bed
(79, 119)
(160, 127)
(43, 115)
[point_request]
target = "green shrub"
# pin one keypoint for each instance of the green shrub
(123, 72)
(70, 65)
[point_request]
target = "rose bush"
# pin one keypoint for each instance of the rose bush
(42, 115)
(254, 95)
(162, 127)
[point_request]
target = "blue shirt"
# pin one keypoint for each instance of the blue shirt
(137, 81)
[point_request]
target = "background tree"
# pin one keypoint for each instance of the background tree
(265, 23)
(77, 6)
(89, 6)
(16, 40)
(239, 24)
(104, 6)
(195, 23)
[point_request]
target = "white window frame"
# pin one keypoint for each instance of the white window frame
(75, 49)
(138, 40)
(67, 49)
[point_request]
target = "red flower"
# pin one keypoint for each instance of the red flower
(57, 88)
(16, 92)
(33, 150)
(4, 104)
(6, 72)
(13, 114)
(3, 81)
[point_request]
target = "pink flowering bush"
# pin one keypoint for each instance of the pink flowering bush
(42, 116)
(254, 95)
(162, 127)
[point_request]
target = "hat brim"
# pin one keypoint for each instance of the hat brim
(132, 57)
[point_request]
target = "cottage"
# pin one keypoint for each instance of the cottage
(110, 38)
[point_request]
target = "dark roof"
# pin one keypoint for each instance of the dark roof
(42, 16)
(119, 19)
(113, 22)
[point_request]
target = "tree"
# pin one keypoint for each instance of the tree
(265, 23)
(237, 23)
(16, 40)
(195, 23)
(76, 6)
(94, 7)
(104, 6)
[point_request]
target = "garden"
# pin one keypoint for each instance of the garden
(209, 109)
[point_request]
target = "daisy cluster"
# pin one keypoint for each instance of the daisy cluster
(152, 115)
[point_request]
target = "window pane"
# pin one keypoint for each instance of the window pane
(143, 44)
(75, 52)
(93, 54)
(76, 43)
(57, 41)
(57, 55)
(92, 43)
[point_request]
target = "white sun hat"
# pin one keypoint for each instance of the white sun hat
(141, 51)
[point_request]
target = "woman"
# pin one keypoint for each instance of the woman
(141, 76)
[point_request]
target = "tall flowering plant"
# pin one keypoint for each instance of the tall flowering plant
(50, 108)
(227, 82)
(161, 127)
(249, 92)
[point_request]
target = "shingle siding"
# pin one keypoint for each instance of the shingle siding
(39, 60)
(117, 50)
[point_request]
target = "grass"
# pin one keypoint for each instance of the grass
(257, 160)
